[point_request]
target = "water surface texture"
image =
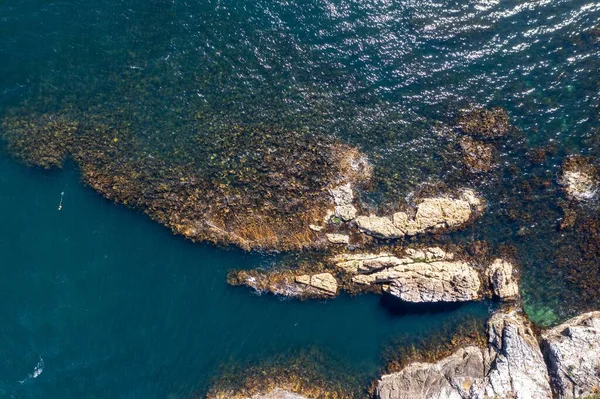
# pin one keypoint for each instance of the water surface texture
(100, 302)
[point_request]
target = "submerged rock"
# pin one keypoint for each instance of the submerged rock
(478, 156)
(511, 366)
(579, 178)
(572, 352)
(436, 213)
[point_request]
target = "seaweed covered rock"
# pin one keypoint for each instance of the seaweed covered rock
(429, 275)
(276, 393)
(479, 157)
(579, 178)
(484, 123)
(286, 283)
(572, 352)
(511, 366)
(431, 214)
(253, 186)
(304, 374)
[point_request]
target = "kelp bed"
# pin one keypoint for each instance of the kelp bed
(255, 187)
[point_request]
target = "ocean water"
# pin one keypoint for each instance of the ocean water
(100, 302)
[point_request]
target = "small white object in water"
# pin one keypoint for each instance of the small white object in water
(62, 194)
(36, 371)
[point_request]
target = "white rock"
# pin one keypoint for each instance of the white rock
(338, 238)
(572, 350)
(502, 280)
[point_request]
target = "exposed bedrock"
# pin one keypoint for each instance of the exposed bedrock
(426, 275)
(430, 214)
(512, 366)
(429, 275)
(572, 352)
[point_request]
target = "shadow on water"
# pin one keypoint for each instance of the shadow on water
(398, 308)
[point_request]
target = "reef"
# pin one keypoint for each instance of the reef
(43, 141)
(413, 275)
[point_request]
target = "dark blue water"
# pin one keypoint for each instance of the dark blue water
(107, 304)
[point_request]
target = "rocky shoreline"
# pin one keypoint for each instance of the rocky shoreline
(562, 363)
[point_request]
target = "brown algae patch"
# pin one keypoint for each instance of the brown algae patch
(309, 373)
(484, 123)
(40, 141)
(255, 187)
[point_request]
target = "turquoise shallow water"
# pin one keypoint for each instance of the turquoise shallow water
(100, 302)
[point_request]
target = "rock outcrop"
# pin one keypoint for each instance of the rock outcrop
(502, 280)
(512, 366)
(514, 363)
(338, 238)
(428, 275)
(572, 352)
(579, 178)
(451, 377)
(286, 283)
(435, 213)
(343, 197)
